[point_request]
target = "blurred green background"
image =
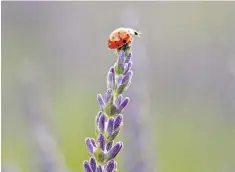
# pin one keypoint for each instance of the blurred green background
(55, 60)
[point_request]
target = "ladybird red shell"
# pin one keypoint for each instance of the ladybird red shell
(118, 38)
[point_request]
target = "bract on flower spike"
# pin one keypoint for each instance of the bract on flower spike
(109, 120)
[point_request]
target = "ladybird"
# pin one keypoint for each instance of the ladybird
(121, 38)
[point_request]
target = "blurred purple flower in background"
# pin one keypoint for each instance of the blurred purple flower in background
(42, 141)
(139, 155)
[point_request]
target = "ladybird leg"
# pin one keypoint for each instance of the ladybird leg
(128, 48)
(125, 48)
(117, 51)
(127, 52)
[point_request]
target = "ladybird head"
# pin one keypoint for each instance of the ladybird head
(134, 32)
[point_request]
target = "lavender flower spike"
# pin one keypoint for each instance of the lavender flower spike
(109, 121)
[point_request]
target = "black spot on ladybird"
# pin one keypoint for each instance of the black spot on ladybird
(124, 41)
(127, 35)
(118, 32)
(113, 37)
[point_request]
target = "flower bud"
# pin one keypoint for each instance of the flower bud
(89, 145)
(108, 95)
(109, 145)
(127, 67)
(93, 164)
(110, 80)
(128, 58)
(110, 166)
(101, 101)
(110, 127)
(119, 80)
(121, 58)
(127, 77)
(101, 122)
(118, 122)
(99, 169)
(118, 101)
(98, 117)
(112, 153)
(93, 142)
(87, 167)
(101, 141)
(123, 104)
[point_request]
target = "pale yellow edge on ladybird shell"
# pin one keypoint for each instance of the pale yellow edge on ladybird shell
(116, 30)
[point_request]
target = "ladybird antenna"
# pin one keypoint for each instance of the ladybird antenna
(138, 33)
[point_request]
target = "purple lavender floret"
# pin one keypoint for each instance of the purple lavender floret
(118, 122)
(101, 123)
(101, 141)
(100, 101)
(109, 145)
(118, 101)
(93, 142)
(123, 104)
(89, 145)
(127, 77)
(109, 120)
(110, 126)
(122, 58)
(119, 80)
(110, 80)
(93, 164)
(99, 169)
(110, 166)
(127, 67)
(112, 70)
(108, 95)
(98, 117)
(87, 167)
(128, 58)
(112, 153)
